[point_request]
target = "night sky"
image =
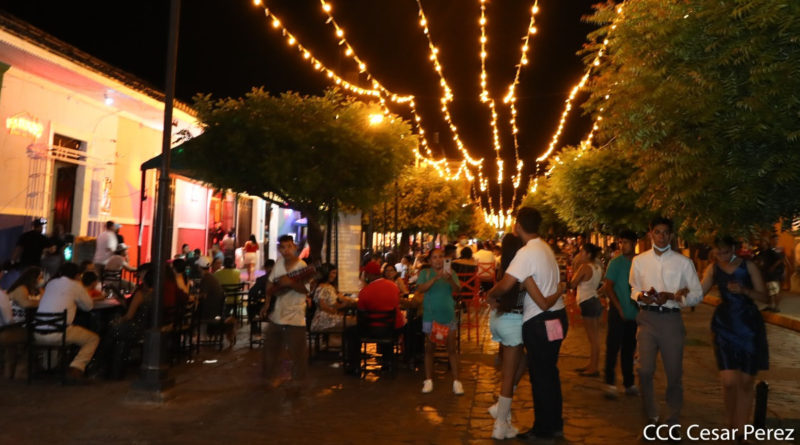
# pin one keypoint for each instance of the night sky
(227, 46)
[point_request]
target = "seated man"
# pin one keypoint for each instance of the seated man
(229, 274)
(211, 297)
(379, 294)
(66, 292)
(119, 262)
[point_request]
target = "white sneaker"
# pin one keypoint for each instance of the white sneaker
(427, 386)
(503, 430)
(458, 388)
(493, 412)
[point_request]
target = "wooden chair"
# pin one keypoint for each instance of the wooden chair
(468, 298)
(47, 323)
(377, 327)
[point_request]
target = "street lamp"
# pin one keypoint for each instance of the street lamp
(375, 119)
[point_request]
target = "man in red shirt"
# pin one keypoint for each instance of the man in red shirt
(379, 294)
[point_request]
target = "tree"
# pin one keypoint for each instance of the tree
(705, 98)
(314, 152)
(426, 203)
(588, 189)
(552, 225)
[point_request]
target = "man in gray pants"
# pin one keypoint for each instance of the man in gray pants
(662, 282)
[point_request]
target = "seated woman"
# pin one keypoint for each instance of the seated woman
(327, 316)
(12, 318)
(25, 291)
(128, 329)
(390, 273)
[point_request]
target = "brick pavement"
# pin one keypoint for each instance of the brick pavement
(225, 401)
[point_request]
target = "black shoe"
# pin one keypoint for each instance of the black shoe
(533, 436)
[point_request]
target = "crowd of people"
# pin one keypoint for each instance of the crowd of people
(522, 277)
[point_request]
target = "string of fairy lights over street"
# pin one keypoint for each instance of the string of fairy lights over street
(469, 167)
(510, 99)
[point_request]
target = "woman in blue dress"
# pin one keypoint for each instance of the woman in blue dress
(740, 340)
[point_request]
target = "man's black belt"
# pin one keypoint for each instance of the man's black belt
(660, 309)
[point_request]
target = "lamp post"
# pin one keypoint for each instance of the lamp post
(154, 378)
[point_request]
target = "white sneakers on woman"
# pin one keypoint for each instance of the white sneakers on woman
(504, 430)
(427, 387)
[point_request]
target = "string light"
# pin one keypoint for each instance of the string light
(484, 97)
(511, 99)
(575, 89)
(313, 61)
(446, 98)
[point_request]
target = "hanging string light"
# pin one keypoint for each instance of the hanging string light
(578, 87)
(446, 98)
(312, 60)
(484, 97)
(511, 98)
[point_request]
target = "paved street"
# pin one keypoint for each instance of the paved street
(226, 402)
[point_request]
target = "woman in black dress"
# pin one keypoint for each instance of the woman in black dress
(740, 340)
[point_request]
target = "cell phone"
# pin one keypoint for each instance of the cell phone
(447, 267)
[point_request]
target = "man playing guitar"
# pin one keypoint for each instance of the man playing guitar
(287, 321)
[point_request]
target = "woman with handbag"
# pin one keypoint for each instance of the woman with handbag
(438, 316)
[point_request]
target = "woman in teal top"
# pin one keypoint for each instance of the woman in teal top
(438, 306)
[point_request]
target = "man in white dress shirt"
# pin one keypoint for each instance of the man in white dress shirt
(662, 282)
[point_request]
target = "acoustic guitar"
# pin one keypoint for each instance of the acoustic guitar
(299, 276)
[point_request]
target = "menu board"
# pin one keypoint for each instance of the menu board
(349, 253)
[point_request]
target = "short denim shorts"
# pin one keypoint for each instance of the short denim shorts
(506, 328)
(591, 308)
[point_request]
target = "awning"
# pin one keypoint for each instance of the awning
(178, 166)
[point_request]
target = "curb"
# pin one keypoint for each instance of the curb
(777, 319)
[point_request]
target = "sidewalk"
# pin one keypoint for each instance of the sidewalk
(220, 398)
(788, 317)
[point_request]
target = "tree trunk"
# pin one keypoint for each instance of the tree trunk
(315, 240)
(404, 242)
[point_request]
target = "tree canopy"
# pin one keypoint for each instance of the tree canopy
(704, 99)
(588, 189)
(426, 202)
(311, 151)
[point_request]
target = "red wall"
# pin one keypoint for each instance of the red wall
(195, 238)
(131, 234)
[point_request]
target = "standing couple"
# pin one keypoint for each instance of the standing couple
(543, 321)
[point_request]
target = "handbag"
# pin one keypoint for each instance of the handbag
(439, 333)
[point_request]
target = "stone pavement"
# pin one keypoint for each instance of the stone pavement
(220, 398)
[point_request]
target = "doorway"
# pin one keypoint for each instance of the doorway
(65, 179)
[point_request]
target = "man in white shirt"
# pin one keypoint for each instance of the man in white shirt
(662, 282)
(287, 321)
(105, 247)
(66, 292)
(544, 323)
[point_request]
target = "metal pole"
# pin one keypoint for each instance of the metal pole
(154, 374)
(396, 242)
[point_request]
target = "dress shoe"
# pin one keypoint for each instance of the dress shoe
(532, 436)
